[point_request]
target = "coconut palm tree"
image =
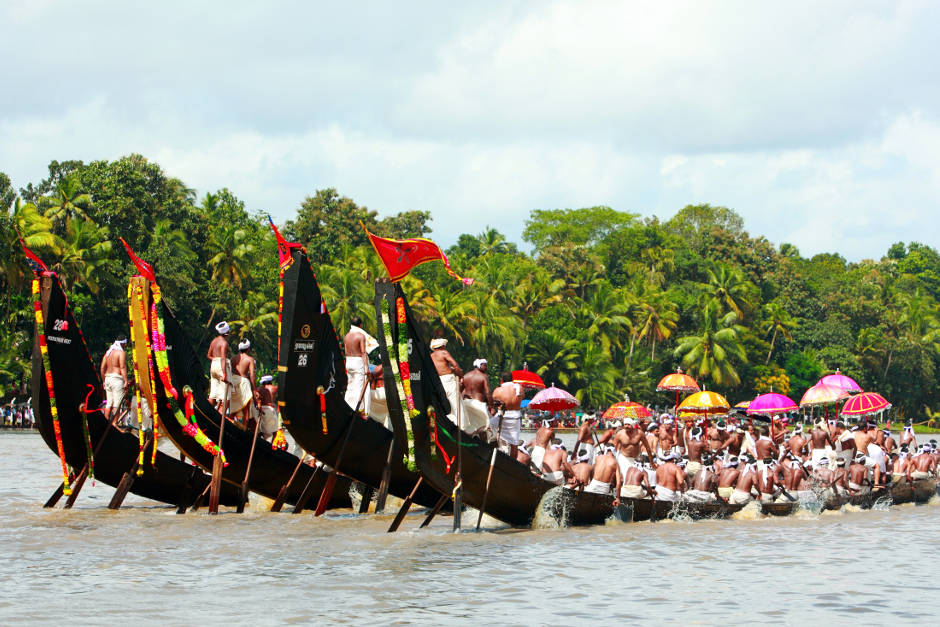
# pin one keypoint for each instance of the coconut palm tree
(728, 289)
(85, 250)
(710, 353)
(347, 295)
(656, 319)
(67, 201)
(777, 321)
(557, 354)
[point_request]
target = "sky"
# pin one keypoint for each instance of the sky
(818, 122)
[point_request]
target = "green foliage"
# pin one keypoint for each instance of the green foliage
(607, 302)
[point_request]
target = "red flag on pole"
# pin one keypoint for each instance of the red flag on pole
(35, 263)
(144, 268)
(284, 247)
(401, 255)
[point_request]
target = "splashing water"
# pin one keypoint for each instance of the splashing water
(554, 510)
(751, 511)
(882, 504)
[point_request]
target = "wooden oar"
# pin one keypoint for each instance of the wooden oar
(216, 484)
(282, 493)
(405, 506)
(307, 492)
(244, 493)
(437, 508)
(489, 474)
(331, 480)
(386, 479)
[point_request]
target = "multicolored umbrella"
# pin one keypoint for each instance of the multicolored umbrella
(553, 399)
(624, 410)
(772, 403)
(841, 381)
(865, 404)
(677, 382)
(823, 394)
(706, 402)
(528, 379)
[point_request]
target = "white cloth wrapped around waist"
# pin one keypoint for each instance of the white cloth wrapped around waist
(699, 496)
(216, 385)
(538, 455)
(665, 494)
(452, 390)
(269, 421)
(740, 497)
(475, 415)
(598, 487)
(555, 476)
(356, 370)
(512, 426)
(633, 492)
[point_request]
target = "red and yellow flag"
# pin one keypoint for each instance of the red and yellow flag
(401, 255)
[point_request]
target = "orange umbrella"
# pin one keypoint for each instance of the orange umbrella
(626, 409)
(677, 382)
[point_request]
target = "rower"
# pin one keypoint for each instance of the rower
(509, 396)
(450, 374)
(768, 480)
(923, 465)
(219, 367)
(585, 441)
(636, 483)
(543, 438)
(704, 483)
(728, 477)
(876, 455)
(840, 477)
(477, 399)
(670, 479)
(900, 468)
(907, 436)
(716, 436)
(820, 442)
(735, 439)
(858, 481)
(889, 444)
(606, 478)
(694, 447)
(267, 397)
(555, 467)
(581, 471)
(114, 376)
(244, 397)
(844, 443)
(797, 443)
(765, 447)
(746, 484)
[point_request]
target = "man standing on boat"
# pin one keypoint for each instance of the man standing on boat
(585, 443)
(114, 377)
(450, 375)
(219, 368)
(694, 447)
(477, 397)
(628, 441)
(821, 442)
(358, 344)
(244, 397)
(509, 396)
(267, 397)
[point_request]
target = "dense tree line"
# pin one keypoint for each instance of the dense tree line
(606, 302)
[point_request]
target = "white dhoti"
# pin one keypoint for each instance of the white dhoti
(512, 426)
(919, 474)
(145, 414)
(598, 487)
(819, 453)
(625, 463)
(356, 370)
(216, 385)
(269, 422)
(700, 496)
(581, 447)
(537, 455)
(665, 494)
(633, 492)
(740, 497)
(475, 416)
(556, 476)
(114, 389)
(692, 468)
(241, 393)
(876, 457)
(452, 390)
(378, 410)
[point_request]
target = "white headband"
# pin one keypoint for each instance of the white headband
(222, 328)
(478, 362)
(244, 345)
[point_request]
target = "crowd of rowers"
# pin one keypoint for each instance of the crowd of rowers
(726, 461)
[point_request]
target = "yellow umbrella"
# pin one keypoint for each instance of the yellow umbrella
(705, 402)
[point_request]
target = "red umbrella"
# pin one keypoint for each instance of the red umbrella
(865, 404)
(528, 379)
(553, 399)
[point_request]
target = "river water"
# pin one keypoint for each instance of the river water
(145, 564)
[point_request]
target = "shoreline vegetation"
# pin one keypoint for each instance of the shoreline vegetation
(606, 302)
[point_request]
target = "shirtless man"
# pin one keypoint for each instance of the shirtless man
(652, 440)
(734, 440)
(797, 443)
(670, 479)
(765, 447)
(555, 467)
(581, 472)
(357, 345)
(768, 480)
(704, 483)
(793, 472)
(875, 455)
(900, 469)
(586, 438)
(628, 441)
(923, 465)
(822, 473)
(542, 440)
(747, 482)
(840, 477)
(267, 400)
(844, 443)
(243, 364)
(820, 442)
(862, 438)
(509, 395)
(889, 444)
(857, 480)
(728, 478)
(607, 478)
(907, 436)
(694, 448)
(666, 434)
(219, 368)
(114, 377)
(478, 401)
(636, 483)
(716, 436)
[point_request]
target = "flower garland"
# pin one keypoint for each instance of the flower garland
(399, 384)
(140, 418)
(154, 416)
(44, 351)
(187, 421)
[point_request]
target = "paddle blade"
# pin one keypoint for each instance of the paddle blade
(326, 494)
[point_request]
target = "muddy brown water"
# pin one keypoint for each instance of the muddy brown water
(145, 564)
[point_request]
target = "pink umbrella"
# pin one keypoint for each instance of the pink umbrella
(865, 404)
(822, 394)
(841, 381)
(772, 403)
(553, 399)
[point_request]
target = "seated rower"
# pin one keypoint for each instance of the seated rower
(670, 479)
(542, 440)
(840, 476)
(581, 471)
(555, 467)
(704, 483)
(923, 465)
(857, 480)
(636, 483)
(694, 447)
(606, 478)
(768, 480)
(728, 478)
(524, 456)
(746, 484)
(822, 473)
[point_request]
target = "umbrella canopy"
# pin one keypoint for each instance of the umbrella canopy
(706, 402)
(743, 404)
(841, 381)
(553, 399)
(677, 382)
(772, 403)
(865, 404)
(624, 410)
(822, 394)
(528, 379)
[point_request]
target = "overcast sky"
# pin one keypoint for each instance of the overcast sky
(819, 122)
